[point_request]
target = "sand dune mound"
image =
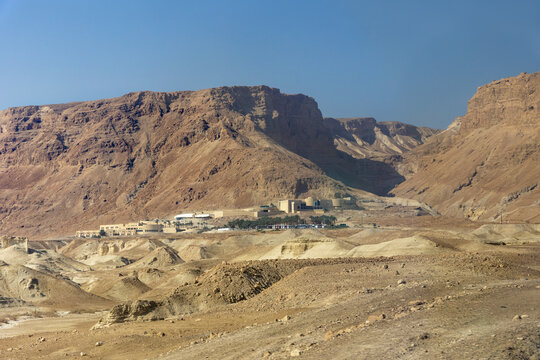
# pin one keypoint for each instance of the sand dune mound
(226, 283)
(171, 278)
(223, 284)
(70, 248)
(107, 262)
(133, 248)
(307, 244)
(110, 253)
(126, 288)
(151, 276)
(23, 283)
(414, 245)
(303, 234)
(499, 234)
(365, 233)
(161, 257)
(309, 249)
(47, 261)
(194, 252)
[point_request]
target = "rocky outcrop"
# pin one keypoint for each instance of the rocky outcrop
(485, 165)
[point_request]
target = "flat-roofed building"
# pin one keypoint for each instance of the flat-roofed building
(88, 233)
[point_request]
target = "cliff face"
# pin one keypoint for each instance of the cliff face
(377, 143)
(487, 163)
(146, 154)
(367, 138)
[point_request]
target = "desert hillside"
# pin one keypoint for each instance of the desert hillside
(422, 286)
(147, 154)
(487, 162)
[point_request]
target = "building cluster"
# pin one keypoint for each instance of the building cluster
(187, 221)
(291, 206)
(317, 206)
(131, 229)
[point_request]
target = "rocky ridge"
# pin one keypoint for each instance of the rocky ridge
(485, 165)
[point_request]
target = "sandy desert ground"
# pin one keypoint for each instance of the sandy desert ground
(422, 288)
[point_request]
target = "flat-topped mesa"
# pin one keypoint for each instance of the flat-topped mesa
(506, 102)
(292, 120)
(148, 154)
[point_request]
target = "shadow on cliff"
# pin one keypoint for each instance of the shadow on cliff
(365, 174)
(301, 129)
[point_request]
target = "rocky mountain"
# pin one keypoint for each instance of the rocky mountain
(366, 138)
(487, 163)
(147, 154)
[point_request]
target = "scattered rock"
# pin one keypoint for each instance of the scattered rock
(329, 335)
(99, 343)
(295, 353)
(373, 318)
(401, 282)
(517, 317)
(286, 318)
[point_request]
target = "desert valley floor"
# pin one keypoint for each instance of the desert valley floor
(432, 288)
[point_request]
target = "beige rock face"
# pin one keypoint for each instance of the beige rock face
(488, 161)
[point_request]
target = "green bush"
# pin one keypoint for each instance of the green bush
(264, 222)
(323, 219)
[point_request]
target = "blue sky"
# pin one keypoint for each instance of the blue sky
(412, 61)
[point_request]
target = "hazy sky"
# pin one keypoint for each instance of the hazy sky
(412, 61)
